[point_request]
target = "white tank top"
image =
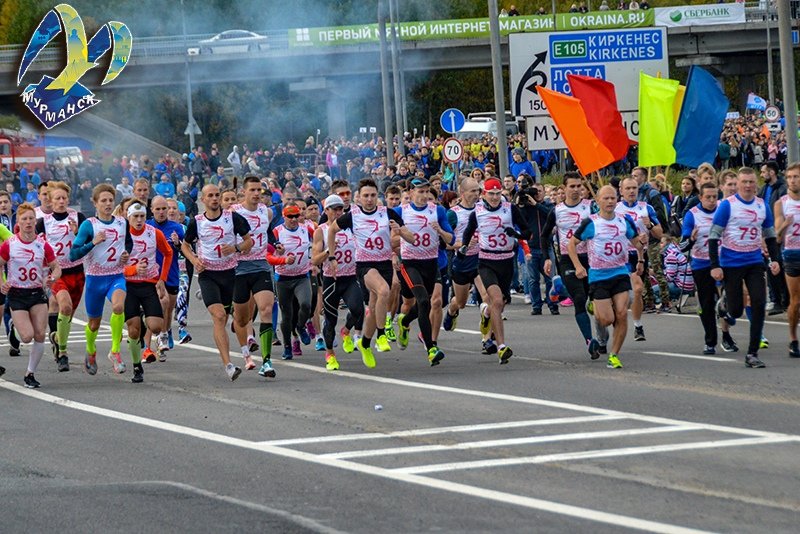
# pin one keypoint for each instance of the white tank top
(702, 221)
(104, 258)
(493, 242)
(296, 243)
(791, 237)
(373, 235)
(59, 235)
(345, 252)
(211, 236)
(609, 246)
(462, 218)
(26, 262)
(259, 230)
(426, 240)
(568, 219)
(144, 251)
(637, 213)
(743, 231)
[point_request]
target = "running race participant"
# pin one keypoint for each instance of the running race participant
(59, 229)
(644, 217)
(28, 257)
(419, 267)
(177, 213)
(104, 242)
(292, 261)
(215, 232)
(609, 235)
(739, 226)
(565, 219)
(146, 276)
(372, 226)
(393, 196)
(343, 285)
(495, 219)
(45, 207)
(787, 222)
(254, 280)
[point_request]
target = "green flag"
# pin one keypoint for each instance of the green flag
(656, 120)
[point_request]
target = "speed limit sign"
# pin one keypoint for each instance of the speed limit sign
(452, 150)
(772, 113)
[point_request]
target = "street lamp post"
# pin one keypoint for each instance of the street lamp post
(191, 127)
(787, 80)
(499, 95)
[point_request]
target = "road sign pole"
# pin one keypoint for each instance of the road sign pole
(787, 80)
(398, 102)
(385, 89)
(499, 94)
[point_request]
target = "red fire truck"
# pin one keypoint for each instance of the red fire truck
(17, 148)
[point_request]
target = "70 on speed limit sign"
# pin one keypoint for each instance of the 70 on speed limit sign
(452, 150)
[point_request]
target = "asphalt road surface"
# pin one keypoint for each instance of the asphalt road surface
(551, 442)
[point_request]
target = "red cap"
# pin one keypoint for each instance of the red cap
(492, 184)
(291, 210)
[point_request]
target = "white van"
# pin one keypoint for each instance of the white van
(478, 124)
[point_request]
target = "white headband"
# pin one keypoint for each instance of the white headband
(135, 209)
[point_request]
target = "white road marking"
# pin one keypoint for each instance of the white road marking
(743, 319)
(509, 442)
(445, 430)
(465, 331)
(690, 356)
(601, 453)
(581, 513)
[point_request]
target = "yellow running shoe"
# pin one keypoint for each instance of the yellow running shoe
(330, 362)
(402, 332)
(435, 356)
(764, 343)
(504, 354)
(486, 322)
(389, 327)
(613, 362)
(382, 344)
(348, 345)
(366, 354)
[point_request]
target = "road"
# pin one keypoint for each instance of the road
(552, 442)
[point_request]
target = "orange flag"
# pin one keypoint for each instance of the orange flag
(765, 131)
(589, 153)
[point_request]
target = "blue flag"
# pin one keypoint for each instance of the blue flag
(701, 119)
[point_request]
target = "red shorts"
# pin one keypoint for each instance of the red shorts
(72, 283)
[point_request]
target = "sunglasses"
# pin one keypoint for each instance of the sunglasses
(344, 194)
(291, 216)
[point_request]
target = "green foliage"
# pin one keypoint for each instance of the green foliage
(9, 122)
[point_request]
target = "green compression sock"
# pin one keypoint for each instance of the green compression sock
(62, 331)
(117, 321)
(135, 348)
(91, 348)
(266, 333)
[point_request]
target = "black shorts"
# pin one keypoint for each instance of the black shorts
(633, 261)
(216, 287)
(142, 297)
(464, 271)
(172, 290)
(606, 289)
(498, 273)
(250, 284)
(384, 268)
(423, 273)
(791, 268)
(25, 298)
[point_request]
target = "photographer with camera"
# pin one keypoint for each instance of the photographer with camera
(535, 209)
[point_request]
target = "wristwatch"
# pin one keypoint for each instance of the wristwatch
(331, 258)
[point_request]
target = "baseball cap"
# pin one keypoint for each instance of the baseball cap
(333, 201)
(420, 182)
(492, 184)
(291, 210)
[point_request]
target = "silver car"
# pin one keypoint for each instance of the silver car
(234, 42)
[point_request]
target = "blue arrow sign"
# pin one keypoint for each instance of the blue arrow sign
(795, 37)
(452, 120)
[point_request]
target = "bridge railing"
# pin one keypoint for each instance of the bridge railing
(762, 10)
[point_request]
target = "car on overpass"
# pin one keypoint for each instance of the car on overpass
(234, 42)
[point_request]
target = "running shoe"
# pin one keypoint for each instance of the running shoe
(311, 330)
(504, 354)
(233, 371)
(183, 336)
(764, 343)
(567, 302)
(489, 347)
(471, 302)
(252, 345)
(486, 322)
(794, 349)
(305, 337)
(534, 311)
(382, 344)
(148, 356)
(266, 369)
(63, 363)
(330, 362)
(31, 382)
(54, 344)
(602, 349)
(728, 344)
(555, 311)
(319, 345)
(650, 308)
(593, 346)
(709, 350)
(296, 349)
(347, 341)
(638, 333)
(138, 373)
(613, 362)
(751, 360)
(366, 354)
(90, 363)
(276, 342)
(402, 332)
(435, 356)
(527, 299)
(450, 321)
(249, 364)
(162, 356)
(116, 359)
(13, 352)
(287, 353)
(163, 342)
(171, 341)
(390, 335)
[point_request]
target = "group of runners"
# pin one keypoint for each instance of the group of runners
(382, 264)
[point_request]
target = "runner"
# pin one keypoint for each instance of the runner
(45, 207)
(59, 229)
(342, 285)
(104, 242)
(27, 257)
(215, 233)
(393, 196)
(254, 280)
(495, 219)
(177, 214)
(372, 226)
(787, 222)
(145, 279)
(739, 225)
(419, 267)
(609, 235)
(647, 224)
